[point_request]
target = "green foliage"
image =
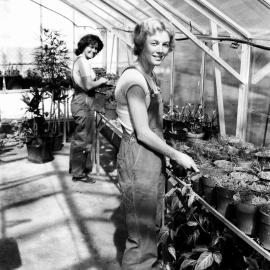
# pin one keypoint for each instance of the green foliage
(193, 239)
(52, 61)
(194, 118)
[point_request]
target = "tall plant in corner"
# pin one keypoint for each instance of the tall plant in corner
(52, 61)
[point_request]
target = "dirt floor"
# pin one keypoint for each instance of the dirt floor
(59, 224)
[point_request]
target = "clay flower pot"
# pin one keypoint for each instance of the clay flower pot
(224, 201)
(208, 190)
(245, 217)
(264, 226)
(195, 136)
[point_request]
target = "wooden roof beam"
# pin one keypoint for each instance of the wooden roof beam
(182, 17)
(99, 20)
(121, 11)
(219, 18)
(194, 39)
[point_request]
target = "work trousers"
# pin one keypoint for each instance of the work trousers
(142, 184)
(83, 136)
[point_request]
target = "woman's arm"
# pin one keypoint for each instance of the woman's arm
(86, 79)
(90, 84)
(138, 111)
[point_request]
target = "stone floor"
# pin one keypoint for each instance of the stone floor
(59, 224)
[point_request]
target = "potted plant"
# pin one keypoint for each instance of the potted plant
(104, 101)
(193, 239)
(110, 104)
(174, 126)
(264, 225)
(34, 129)
(32, 79)
(52, 61)
(193, 116)
(246, 210)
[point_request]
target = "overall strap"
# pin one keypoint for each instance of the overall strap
(151, 90)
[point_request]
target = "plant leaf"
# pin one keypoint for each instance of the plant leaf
(163, 235)
(205, 260)
(172, 251)
(192, 223)
(200, 249)
(186, 263)
(191, 199)
(217, 257)
(252, 263)
(175, 203)
(184, 190)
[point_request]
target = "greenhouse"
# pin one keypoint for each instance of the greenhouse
(67, 154)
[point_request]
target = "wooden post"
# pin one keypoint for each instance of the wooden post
(65, 121)
(202, 78)
(104, 35)
(117, 56)
(112, 52)
(172, 82)
(218, 85)
(241, 126)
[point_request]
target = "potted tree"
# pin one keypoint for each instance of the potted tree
(34, 130)
(52, 61)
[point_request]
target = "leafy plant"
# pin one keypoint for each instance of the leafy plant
(35, 125)
(52, 61)
(193, 239)
(190, 244)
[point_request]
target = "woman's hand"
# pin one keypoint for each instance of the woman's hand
(103, 80)
(186, 161)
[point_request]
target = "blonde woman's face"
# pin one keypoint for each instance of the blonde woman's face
(156, 48)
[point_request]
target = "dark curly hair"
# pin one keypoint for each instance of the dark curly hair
(86, 41)
(149, 27)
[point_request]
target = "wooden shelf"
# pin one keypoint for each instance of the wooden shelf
(175, 180)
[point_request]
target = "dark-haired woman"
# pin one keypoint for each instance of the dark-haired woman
(84, 84)
(140, 158)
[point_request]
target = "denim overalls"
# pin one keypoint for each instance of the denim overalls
(83, 136)
(142, 182)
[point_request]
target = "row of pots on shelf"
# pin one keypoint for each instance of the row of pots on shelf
(252, 219)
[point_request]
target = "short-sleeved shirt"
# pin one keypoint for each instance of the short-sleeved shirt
(82, 68)
(131, 77)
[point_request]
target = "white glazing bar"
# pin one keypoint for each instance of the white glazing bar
(218, 85)
(172, 81)
(120, 10)
(182, 17)
(241, 125)
(97, 19)
(202, 78)
(220, 18)
(194, 39)
(261, 73)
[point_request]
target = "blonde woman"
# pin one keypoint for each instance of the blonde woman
(141, 155)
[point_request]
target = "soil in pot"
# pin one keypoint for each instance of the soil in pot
(225, 165)
(264, 226)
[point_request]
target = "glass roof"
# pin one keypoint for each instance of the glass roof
(250, 16)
